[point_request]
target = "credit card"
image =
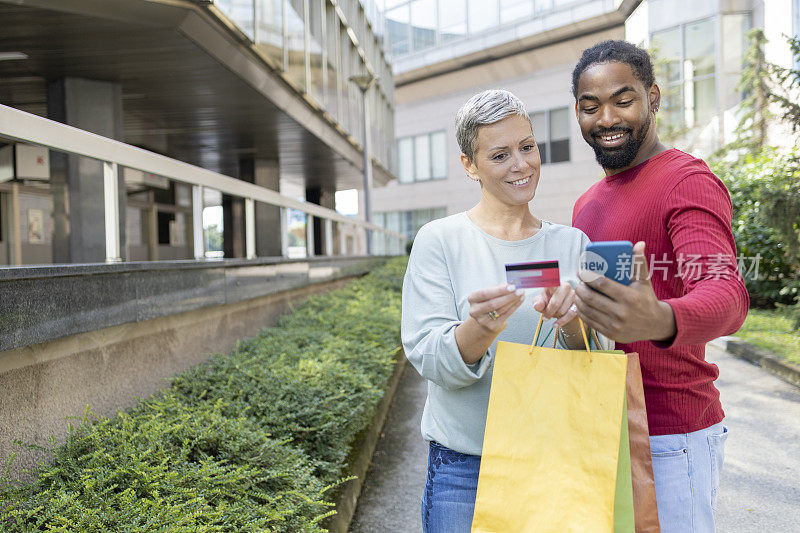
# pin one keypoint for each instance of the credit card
(533, 275)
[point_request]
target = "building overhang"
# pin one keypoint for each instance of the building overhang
(193, 87)
(552, 28)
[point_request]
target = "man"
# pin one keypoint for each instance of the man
(672, 206)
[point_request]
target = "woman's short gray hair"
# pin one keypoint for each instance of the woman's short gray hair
(483, 109)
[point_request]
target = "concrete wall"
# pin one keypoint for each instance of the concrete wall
(107, 369)
(542, 79)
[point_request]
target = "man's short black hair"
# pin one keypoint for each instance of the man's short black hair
(621, 52)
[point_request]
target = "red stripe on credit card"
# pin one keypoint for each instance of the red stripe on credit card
(533, 275)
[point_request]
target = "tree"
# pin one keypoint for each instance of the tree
(756, 82)
(787, 96)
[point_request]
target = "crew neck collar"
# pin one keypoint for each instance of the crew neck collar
(527, 240)
(635, 170)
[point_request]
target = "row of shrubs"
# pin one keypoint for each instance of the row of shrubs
(250, 441)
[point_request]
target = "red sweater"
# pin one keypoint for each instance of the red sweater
(682, 211)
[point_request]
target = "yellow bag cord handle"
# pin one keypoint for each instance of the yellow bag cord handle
(536, 335)
(583, 334)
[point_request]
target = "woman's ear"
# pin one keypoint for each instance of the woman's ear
(469, 168)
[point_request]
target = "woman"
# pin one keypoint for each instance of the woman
(456, 305)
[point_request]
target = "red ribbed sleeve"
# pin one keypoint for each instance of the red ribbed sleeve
(698, 216)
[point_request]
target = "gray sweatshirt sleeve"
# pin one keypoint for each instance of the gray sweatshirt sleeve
(430, 316)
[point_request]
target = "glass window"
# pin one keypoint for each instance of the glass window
(702, 101)
(686, 69)
(423, 24)
(667, 50)
(540, 6)
(559, 135)
(438, 155)
(240, 12)
(397, 30)
(482, 15)
(511, 10)
(734, 40)
(405, 160)
(296, 42)
(270, 29)
(422, 157)
(452, 20)
(699, 46)
(539, 120)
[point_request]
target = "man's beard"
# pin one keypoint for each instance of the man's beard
(623, 155)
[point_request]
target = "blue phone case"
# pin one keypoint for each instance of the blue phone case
(613, 259)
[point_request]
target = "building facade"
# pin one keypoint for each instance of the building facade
(453, 49)
(258, 90)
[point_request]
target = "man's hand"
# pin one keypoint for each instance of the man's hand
(626, 314)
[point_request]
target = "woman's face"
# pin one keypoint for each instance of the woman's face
(506, 161)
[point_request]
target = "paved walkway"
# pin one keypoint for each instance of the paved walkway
(760, 481)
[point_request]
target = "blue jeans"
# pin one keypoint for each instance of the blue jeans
(686, 468)
(449, 499)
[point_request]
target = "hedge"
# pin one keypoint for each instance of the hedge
(249, 441)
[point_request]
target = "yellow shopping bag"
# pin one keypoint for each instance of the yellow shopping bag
(553, 441)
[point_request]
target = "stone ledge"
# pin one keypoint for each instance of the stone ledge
(360, 456)
(770, 362)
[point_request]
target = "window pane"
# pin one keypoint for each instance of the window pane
(667, 53)
(393, 221)
(515, 9)
(270, 29)
(296, 42)
(405, 163)
(704, 101)
(397, 30)
(240, 12)
(671, 111)
(559, 124)
(734, 42)
(439, 155)
(422, 157)
(559, 135)
(423, 24)
(539, 120)
(452, 19)
(482, 15)
(699, 48)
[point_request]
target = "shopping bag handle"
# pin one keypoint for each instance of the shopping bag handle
(583, 334)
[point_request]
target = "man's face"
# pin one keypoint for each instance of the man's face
(613, 110)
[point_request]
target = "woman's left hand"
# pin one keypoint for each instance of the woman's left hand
(557, 302)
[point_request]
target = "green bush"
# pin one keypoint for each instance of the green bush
(250, 441)
(765, 192)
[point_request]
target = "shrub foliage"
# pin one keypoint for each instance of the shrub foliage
(250, 441)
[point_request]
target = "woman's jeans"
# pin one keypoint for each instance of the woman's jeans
(686, 469)
(449, 499)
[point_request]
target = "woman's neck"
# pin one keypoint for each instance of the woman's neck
(508, 223)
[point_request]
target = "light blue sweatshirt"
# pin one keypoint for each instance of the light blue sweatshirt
(452, 258)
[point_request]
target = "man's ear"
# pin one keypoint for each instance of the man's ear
(654, 97)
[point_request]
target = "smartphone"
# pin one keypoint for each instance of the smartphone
(612, 259)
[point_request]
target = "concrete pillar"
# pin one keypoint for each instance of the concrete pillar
(77, 182)
(268, 217)
(325, 198)
(264, 173)
(233, 214)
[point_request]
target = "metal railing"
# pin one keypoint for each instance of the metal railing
(24, 127)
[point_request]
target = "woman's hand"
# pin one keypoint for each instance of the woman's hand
(489, 310)
(557, 302)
